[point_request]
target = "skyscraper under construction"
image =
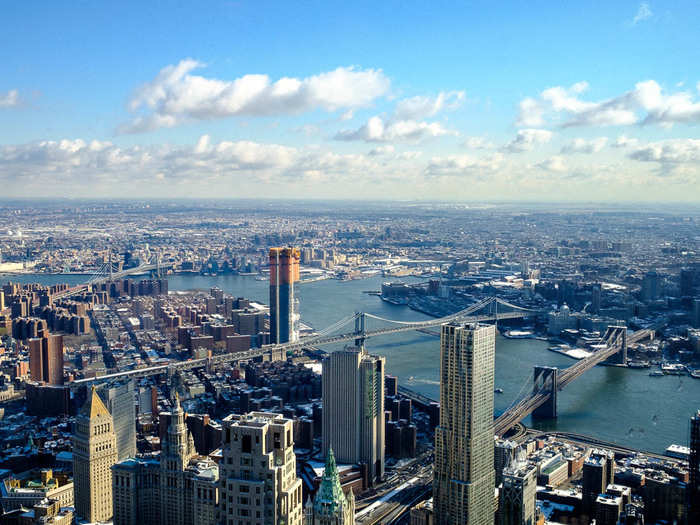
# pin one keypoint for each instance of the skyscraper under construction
(284, 272)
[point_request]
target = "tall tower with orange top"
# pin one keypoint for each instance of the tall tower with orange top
(284, 272)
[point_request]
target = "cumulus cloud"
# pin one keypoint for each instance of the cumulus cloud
(579, 145)
(420, 107)
(646, 103)
(382, 150)
(624, 141)
(377, 130)
(554, 164)
(478, 143)
(669, 153)
(456, 165)
(80, 162)
(527, 139)
(9, 99)
(176, 95)
(643, 13)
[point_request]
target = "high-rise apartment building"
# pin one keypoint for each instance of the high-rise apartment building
(353, 408)
(516, 504)
(46, 359)
(464, 477)
(330, 506)
(258, 483)
(284, 272)
(94, 453)
(178, 488)
(694, 470)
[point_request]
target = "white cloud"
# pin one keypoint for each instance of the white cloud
(478, 143)
(9, 99)
(646, 103)
(382, 150)
(669, 152)
(527, 139)
(554, 164)
(175, 95)
(377, 130)
(420, 107)
(531, 113)
(78, 166)
(579, 145)
(643, 13)
(455, 165)
(624, 141)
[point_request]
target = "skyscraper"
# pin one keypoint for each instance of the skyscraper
(46, 359)
(175, 455)
(120, 400)
(464, 477)
(353, 408)
(650, 286)
(518, 493)
(596, 293)
(686, 280)
(284, 272)
(94, 453)
(258, 480)
(330, 506)
(178, 488)
(693, 489)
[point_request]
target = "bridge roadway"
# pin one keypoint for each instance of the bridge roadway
(528, 405)
(283, 348)
(107, 277)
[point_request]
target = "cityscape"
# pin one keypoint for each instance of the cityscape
(323, 263)
(384, 360)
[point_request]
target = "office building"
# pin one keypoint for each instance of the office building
(686, 280)
(504, 454)
(284, 317)
(120, 400)
(177, 488)
(94, 453)
(353, 408)
(693, 489)
(46, 359)
(650, 286)
(258, 482)
(516, 505)
(464, 477)
(422, 513)
(596, 296)
(330, 506)
(695, 313)
(598, 473)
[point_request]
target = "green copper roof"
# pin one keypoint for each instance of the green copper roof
(329, 498)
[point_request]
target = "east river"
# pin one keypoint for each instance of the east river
(624, 406)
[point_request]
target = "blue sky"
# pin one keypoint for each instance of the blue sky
(405, 100)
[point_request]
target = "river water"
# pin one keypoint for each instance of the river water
(620, 405)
